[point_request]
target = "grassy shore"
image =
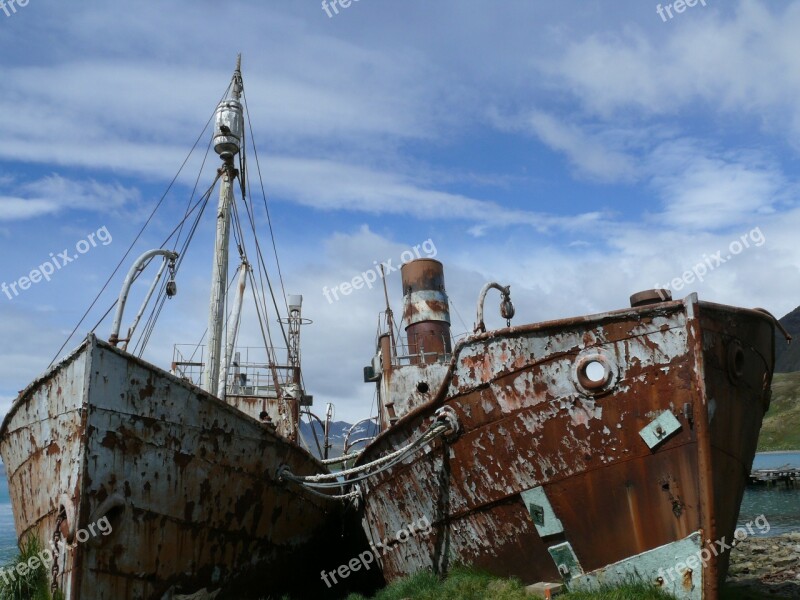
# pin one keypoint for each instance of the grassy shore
(34, 584)
(468, 584)
(781, 428)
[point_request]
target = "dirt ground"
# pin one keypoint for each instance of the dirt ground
(768, 566)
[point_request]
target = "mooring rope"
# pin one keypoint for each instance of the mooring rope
(331, 480)
(341, 459)
(354, 494)
(446, 423)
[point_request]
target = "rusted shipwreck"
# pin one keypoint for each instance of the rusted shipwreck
(182, 469)
(589, 450)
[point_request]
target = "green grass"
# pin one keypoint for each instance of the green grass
(469, 584)
(462, 583)
(781, 428)
(34, 585)
(626, 592)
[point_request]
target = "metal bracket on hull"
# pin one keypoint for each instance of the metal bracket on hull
(566, 561)
(541, 511)
(661, 428)
(676, 568)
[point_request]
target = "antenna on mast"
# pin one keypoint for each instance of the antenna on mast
(389, 314)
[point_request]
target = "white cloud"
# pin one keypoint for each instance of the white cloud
(713, 192)
(356, 125)
(589, 155)
(15, 209)
(330, 185)
(742, 63)
(126, 113)
(53, 194)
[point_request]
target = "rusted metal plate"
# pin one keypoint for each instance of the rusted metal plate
(189, 481)
(660, 429)
(412, 388)
(682, 582)
(529, 419)
(738, 361)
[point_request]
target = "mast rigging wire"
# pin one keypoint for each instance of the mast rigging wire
(138, 235)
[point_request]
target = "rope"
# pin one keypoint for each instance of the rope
(264, 196)
(138, 235)
(356, 493)
(312, 424)
(155, 313)
(194, 191)
(381, 464)
(341, 459)
(363, 477)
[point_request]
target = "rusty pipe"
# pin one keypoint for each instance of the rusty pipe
(136, 270)
(506, 308)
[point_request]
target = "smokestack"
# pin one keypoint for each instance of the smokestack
(426, 310)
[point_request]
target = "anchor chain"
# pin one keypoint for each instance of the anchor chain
(56, 540)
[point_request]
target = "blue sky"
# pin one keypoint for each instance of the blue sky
(577, 150)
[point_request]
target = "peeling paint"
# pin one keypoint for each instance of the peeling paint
(526, 423)
(188, 480)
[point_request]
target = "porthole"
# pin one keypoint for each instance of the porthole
(594, 372)
(736, 361)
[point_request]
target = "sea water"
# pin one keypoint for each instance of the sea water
(779, 504)
(8, 538)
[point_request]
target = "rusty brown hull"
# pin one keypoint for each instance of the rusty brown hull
(186, 482)
(550, 469)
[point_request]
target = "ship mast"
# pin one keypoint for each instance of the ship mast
(228, 135)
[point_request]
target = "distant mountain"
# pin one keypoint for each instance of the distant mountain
(338, 433)
(787, 356)
(781, 427)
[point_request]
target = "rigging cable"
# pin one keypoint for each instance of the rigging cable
(267, 344)
(138, 235)
(441, 426)
(239, 238)
(114, 304)
(194, 191)
(264, 195)
(261, 262)
(149, 326)
(263, 272)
